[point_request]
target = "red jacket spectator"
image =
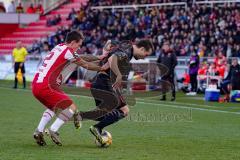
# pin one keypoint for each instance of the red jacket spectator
(186, 80)
(19, 8)
(39, 9)
(203, 70)
(220, 59)
(221, 70)
(31, 9)
(213, 16)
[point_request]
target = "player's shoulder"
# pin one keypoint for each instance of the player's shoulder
(117, 52)
(24, 50)
(14, 49)
(61, 49)
(123, 51)
(70, 55)
(114, 42)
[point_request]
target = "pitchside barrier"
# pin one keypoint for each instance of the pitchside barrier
(146, 69)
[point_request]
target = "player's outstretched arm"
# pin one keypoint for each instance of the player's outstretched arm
(89, 65)
(89, 58)
(113, 64)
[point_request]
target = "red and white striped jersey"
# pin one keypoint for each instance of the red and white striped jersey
(56, 67)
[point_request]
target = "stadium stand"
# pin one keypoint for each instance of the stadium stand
(206, 29)
(7, 29)
(37, 30)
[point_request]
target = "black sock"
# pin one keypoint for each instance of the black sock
(164, 96)
(24, 82)
(110, 118)
(15, 82)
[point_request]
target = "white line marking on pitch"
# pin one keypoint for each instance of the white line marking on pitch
(185, 107)
(186, 104)
(180, 103)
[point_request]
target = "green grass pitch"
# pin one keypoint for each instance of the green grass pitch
(188, 129)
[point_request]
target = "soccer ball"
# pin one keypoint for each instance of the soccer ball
(107, 138)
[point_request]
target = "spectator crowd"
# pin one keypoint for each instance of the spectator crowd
(130, 2)
(198, 28)
(19, 8)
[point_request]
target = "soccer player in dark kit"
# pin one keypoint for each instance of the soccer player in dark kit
(107, 85)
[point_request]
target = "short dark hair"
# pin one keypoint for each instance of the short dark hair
(74, 36)
(145, 43)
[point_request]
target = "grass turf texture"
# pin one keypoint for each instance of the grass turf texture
(188, 129)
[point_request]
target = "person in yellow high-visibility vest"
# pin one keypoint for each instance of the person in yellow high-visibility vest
(19, 56)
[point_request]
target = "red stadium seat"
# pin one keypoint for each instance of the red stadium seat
(34, 31)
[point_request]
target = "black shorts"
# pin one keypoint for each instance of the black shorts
(17, 66)
(104, 95)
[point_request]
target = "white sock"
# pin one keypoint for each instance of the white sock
(63, 117)
(56, 125)
(46, 117)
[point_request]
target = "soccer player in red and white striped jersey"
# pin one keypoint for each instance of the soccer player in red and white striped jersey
(56, 68)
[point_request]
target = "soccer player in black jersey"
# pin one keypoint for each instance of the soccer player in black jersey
(107, 85)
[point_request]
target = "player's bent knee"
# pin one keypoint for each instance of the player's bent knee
(73, 107)
(66, 114)
(125, 110)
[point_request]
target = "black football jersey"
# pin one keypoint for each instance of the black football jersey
(124, 51)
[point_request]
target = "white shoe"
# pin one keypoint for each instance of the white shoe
(191, 94)
(194, 93)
